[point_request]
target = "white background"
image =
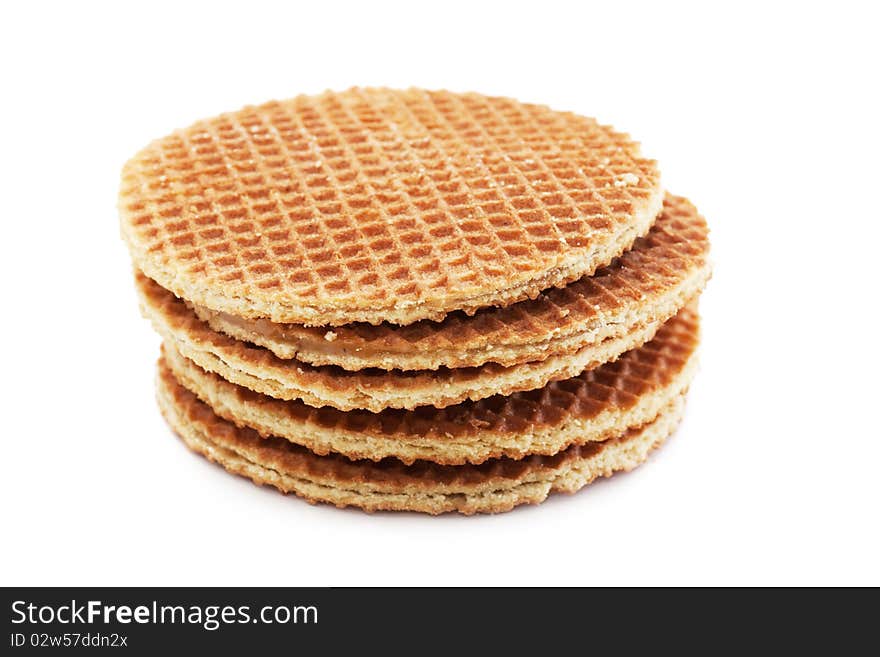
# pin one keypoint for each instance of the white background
(765, 115)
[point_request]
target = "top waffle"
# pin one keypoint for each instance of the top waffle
(378, 205)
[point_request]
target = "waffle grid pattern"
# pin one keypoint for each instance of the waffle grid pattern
(374, 199)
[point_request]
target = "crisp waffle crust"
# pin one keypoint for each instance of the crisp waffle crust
(592, 407)
(376, 205)
(494, 486)
(260, 370)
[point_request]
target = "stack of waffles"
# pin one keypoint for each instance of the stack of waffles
(415, 300)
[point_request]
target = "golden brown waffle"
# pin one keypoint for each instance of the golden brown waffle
(595, 406)
(648, 283)
(378, 205)
(260, 370)
(494, 486)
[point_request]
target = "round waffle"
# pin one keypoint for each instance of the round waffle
(595, 406)
(378, 205)
(372, 389)
(650, 282)
(495, 486)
